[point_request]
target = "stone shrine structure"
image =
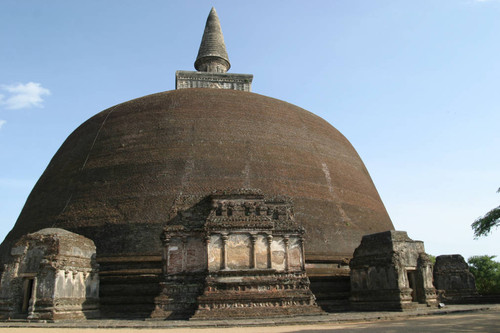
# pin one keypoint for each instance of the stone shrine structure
(142, 181)
(236, 254)
(53, 275)
(453, 280)
(390, 271)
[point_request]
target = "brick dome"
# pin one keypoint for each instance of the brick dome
(123, 174)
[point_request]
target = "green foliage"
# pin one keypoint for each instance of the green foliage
(483, 225)
(432, 259)
(487, 274)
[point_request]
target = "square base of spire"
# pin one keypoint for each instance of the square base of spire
(231, 81)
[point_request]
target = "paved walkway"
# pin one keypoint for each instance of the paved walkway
(344, 317)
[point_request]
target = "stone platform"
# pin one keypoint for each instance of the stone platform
(344, 317)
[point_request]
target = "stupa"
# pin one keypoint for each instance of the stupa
(165, 165)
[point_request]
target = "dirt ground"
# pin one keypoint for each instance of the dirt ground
(273, 329)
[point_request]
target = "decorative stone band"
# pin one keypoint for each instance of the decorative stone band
(234, 251)
(231, 81)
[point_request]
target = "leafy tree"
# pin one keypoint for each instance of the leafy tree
(482, 226)
(487, 273)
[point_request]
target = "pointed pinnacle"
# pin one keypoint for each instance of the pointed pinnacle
(212, 56)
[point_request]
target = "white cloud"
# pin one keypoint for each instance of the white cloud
(2, 122)
(23, 95)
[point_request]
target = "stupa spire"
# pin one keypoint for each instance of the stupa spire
(212, 56)
(212, 63)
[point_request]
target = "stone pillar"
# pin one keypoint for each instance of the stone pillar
(302, 254)
(287, 259)
(184, 253)
(269, 251)
(426, 293)
(32, 300)
(253, 256)
(207, 246)
(166, 259)
(224, 238)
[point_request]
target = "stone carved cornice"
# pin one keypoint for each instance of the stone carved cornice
(241, 209)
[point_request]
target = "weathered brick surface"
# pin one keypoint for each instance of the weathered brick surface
(116, 178)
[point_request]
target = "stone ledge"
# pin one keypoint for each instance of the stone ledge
(295, 320)
(231, 81)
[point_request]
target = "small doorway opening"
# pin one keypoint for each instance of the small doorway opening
(412, 281)
(27, 294)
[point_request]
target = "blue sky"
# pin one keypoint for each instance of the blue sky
(414, 85)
